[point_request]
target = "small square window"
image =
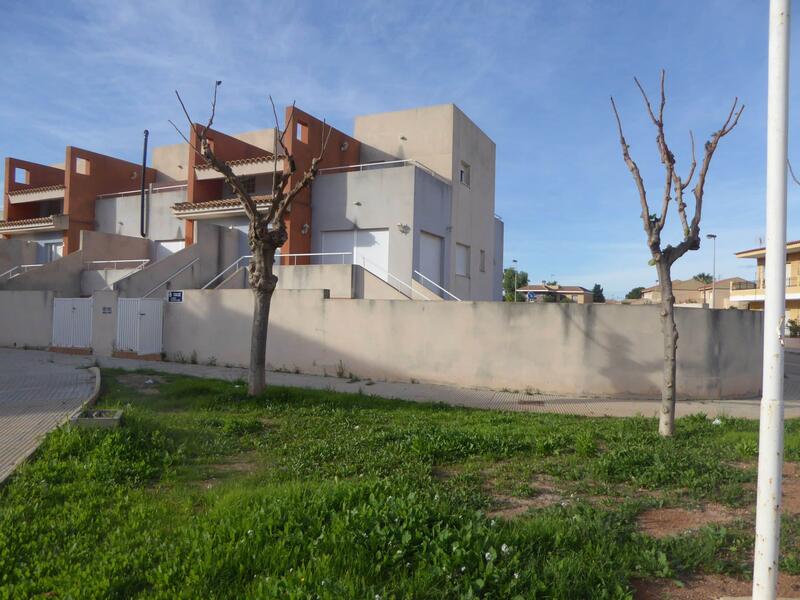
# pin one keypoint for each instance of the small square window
(483, 261)
(301, 132)
(464, 174)
(22, 175)
(82, 166)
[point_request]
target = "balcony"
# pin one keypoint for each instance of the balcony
(753, 291)
(37, 225)
(37, 194)
(215, 209)
(245, 167)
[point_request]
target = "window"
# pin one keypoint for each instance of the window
(301, 132)
(82, 166)
(248, 183)
(483, 261)
(464, 173)
(462, 260)
(22, 175)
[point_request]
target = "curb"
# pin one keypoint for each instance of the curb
(92, 399)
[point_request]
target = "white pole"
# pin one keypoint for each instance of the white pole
(770, 439)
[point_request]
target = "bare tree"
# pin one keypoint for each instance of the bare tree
(267, 230)
(664, 258)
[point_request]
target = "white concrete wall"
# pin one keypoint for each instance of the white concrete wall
(121, 215)
(26, 319)
(440, 137)
(374, 199)
(612, 350)
(385, 198)
(15, 252)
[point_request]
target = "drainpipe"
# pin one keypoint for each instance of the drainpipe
(142, 221)
(770, 436)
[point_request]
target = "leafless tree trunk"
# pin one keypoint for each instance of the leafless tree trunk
(664, 258)
(267, 230)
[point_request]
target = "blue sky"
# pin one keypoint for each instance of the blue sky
(535, 76)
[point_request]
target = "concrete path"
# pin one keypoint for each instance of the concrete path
(474, 398)
(37, 394)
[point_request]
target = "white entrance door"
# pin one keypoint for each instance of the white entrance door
(72, 322)
(371, 250)
(140, 325)
(431, 259)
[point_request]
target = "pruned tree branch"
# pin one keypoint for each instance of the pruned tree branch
(634, 169)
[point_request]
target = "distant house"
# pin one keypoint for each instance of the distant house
(686, 291)
(692, 292)
(549, 293)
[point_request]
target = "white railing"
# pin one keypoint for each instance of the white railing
(387, 276)
(233, 266)
(137, 264)
(18, 270)
(362, 261)
(382, 165)
(437, 286)
(238, 262)
(147, 190)
(175, 274)
(278, 257)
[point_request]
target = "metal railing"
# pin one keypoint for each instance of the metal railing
(238, 262)
(387, 276)
(437, 286)
(760, 285)
(278, 257)
(175, 274)
(362, 261)
(234, 266)
(137, 264)
(382, 165)
(18, 270)
(139, 191)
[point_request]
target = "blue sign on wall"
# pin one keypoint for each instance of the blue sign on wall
(175, 296)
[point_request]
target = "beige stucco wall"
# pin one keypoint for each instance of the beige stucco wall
(171, 163)
(26, 319)
(612, 350)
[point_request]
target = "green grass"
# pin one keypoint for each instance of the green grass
(315, 494)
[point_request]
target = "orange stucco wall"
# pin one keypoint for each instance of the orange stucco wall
(341, 150)
(226, 148)
(106, 175)
(39, 176)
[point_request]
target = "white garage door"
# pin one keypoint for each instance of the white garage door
(369, 248)
(430, 258)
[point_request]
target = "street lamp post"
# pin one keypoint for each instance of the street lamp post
(713, 238)
(770, 435)
(515, 278)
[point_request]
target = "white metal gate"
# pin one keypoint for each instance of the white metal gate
(140, 325)
(72, 322)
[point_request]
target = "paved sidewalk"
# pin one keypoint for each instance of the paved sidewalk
(36, 396)
(473, 398)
